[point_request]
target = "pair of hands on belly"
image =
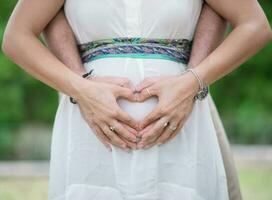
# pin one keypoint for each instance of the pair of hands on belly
(101, 111)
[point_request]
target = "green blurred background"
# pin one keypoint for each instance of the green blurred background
(243, 98)
(28, 107)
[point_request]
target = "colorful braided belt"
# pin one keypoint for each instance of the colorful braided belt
(177, 50)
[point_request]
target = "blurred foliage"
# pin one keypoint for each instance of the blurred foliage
(243, 98)
(22, 98)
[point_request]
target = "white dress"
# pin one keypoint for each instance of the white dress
(189, 167)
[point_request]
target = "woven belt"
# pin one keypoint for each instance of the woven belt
(177, 50)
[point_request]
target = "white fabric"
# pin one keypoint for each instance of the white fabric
(189, 167)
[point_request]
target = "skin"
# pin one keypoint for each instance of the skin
(175, 106)
(21, 44)
(60, 40)
(209, 34)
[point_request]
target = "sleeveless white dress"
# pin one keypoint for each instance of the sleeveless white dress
(189, 167)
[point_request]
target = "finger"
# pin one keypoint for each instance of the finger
(126, 93)
(163, 138)
(125, 82)
(147, 93)
(132, 130)
(147, 82)
(99, 134)
(151, 117)
(127, 119)
(102, 137)
(152, 134)
(180, 125)
(168, 132)
(115, 140)
(119, 81)
(131, 145)
(121, 131)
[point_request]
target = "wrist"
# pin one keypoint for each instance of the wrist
(198, 87)
(191, 82)
(81, 86)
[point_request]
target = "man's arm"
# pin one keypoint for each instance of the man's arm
(60, 39)
(209, 34)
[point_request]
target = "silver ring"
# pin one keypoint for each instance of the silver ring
(166, 124)
(112, 128)
(148, 92)
(172, 128)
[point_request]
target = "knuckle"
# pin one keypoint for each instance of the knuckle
(148, 138)
(162, 110)
(114, 113)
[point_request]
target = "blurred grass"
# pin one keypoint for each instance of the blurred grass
(23, 188)
(256, 184)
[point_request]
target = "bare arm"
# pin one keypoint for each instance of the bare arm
(209, 34)
(176, 94)
(21, 43)
(62, 43)
(244, 40)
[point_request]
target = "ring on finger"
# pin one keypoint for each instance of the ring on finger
(172, 128)
(166, 124)
(149, 93)
(112, 128)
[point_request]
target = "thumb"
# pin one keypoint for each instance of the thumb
(145, 94)
(126, 93)
(147, 82)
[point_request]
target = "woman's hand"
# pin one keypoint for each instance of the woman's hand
(176, 100)
(119, 81)
(99, 107)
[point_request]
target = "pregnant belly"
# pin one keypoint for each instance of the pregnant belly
(136, 70)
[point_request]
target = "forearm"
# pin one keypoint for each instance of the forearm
(28, 52)
(244, 41)
(60, 40)
(209, 34)
(22, 45)
(237, 48)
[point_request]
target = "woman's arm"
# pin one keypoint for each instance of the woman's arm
(21, 44)
(251, 32)
(176, 94)
(61, 41)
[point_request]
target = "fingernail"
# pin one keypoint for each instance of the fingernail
(141, 146)
(138, 139)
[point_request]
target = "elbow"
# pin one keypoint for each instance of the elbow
(5, 45)
(267, 32)
(263, 31)
(7, 48)
(10, 43)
